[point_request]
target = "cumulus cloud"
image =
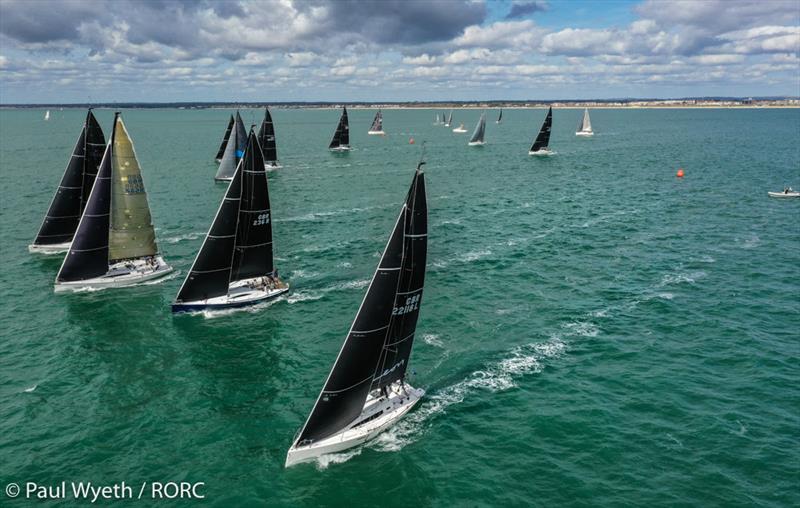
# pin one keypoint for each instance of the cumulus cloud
(521, 8)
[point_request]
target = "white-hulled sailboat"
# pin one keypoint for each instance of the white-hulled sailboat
(234, 150)
(585, 125)
(460, 129)
(376, 129)
(47, 115)
(366, 392)
(235, 265)
(479, 132)
(115, 243)
(541, 145)
(341, 136)
(225, 139)
(449, 121)
(266, 138)
(66, 208)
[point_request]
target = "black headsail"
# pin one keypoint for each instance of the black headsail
(88, 255)
(225, 139)
(543, 139)
(342, 135)
(500, 117)
(67, 206)
(210, 272)
(252, 254)
(266, 138)
(382, 330)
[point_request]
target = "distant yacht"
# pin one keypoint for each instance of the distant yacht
(500, 118)
(376, 129)
(541, 143)
(585, 125)
(66, 208)
(234, 150)
(788, 192)
(235, 266)
(266, 139)
(366, 391)
(460, 128)
(449, 120)
(47, 115)
(115, 243)
(225, 138)
(478, 133)
(341, 136)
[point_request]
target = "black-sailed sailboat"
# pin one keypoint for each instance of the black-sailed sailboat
(234, 150)
(366, 391)
(500, 117)
(235, 266)
(541, 145)
(479, 132)
(376, 129)
(115, 243)
(341, 137)
(65, 210)
(266, 139)
(225, 139)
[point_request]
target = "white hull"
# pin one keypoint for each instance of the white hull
(121, 274)
(541, 152)
(793, 194)
(343, 148)
(376, 133)
(241, 293)
(224, 179)
(476, 143)
(53, 248)
(401, 399)
(584, 133)
(459, 130)
(272, 166)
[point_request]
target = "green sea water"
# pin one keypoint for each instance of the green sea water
(594, 330)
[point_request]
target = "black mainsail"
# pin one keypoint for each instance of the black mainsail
(542, 141)
(234, 150)
(341, 137)
(378, 345)
(225, 138)
(377, 122)
(500, 117)
(266, 139)
(70, 199)
(480, 130)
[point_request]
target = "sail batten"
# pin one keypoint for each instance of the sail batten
(542, 140)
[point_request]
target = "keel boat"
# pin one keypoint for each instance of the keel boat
(478, 133)
(341, 136)
(266, 138)
(541, 144)
(234, 150)
(376, 129)
(585, 125)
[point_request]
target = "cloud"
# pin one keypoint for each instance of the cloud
(521, 8)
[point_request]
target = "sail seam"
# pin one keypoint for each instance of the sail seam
(370, 331)
(368, 378)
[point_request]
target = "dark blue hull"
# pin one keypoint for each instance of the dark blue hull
(179, 308)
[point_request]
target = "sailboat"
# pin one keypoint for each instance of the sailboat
(115, 243)
(235, 265)
(437, 121)
(225, 138)
(366, 391)
(460, 128)
(500, 118)
(47, 115)
(478, 133)
(449, 120)
(66, 207)
(376, 129)
(266, 139)
(541, 143)
(341, 137)
(234, 150)
(585, 125)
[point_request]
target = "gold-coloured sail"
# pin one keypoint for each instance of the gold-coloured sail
(131, 234)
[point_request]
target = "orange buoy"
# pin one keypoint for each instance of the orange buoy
(680, 173)
(411, 141)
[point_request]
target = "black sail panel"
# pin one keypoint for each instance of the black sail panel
(348, 384)
(95, 148)
(266, 138)
(252, 256)
(342, 135)
(408, 298)
(241, 138)
(210, 272)
(543, 139)
(88, 255)
(225, 139)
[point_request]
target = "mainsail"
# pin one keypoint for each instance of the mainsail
(67, 206)
(225, 138)
(378, 345)
(480, 129)
(543, 139)
(377, 122)
(449, 119)
(233, 151)
(342, 135)
(585, 124)
(266, 138)
(500, 118)
(131, 230)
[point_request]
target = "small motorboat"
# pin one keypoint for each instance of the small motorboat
(788, 192)
(460, 129)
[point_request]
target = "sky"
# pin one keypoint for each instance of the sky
(76, 51)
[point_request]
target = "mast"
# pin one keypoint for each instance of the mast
(266, 138)
(66, 207)
(131, 228)
(225, 138)
(379, 342)
(480, 129)
(341, 137)
(543, 139)
(252, 254)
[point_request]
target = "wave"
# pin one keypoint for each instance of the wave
(323, 461)
(30, 389)
(252, 309)
(317, 294)
(432, 340)
(180, 238)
